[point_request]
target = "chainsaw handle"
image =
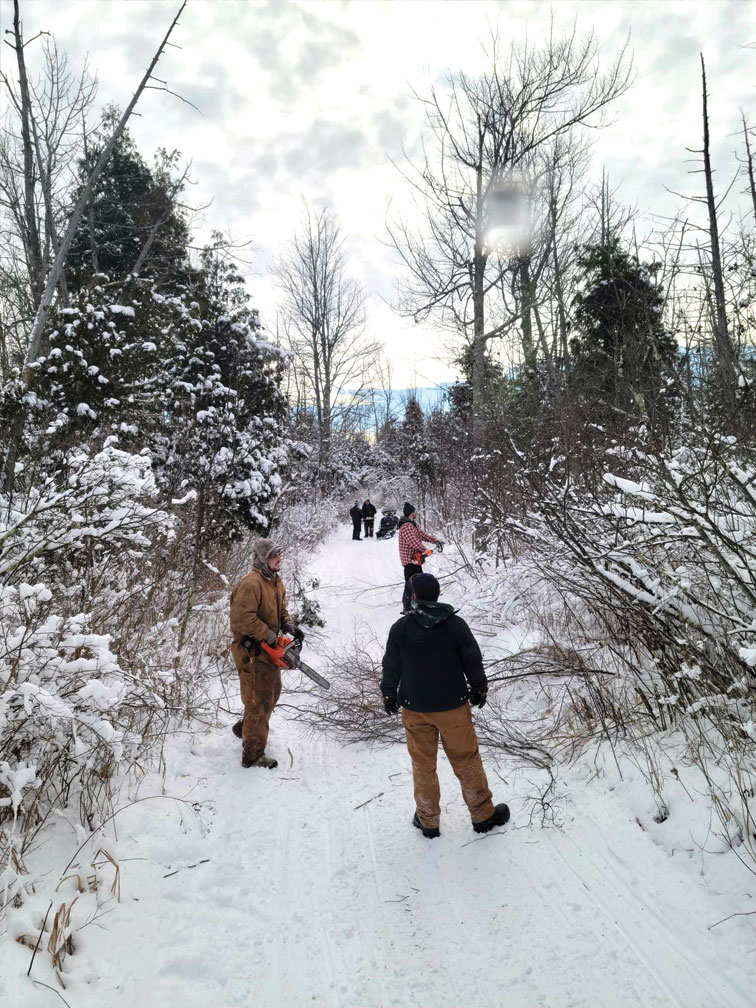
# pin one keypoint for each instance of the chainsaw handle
(420, 556)
(275, 653)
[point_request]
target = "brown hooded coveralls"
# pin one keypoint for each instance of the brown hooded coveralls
(258, 604)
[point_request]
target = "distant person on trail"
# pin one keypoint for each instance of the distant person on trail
(433, 670)
(259, 614)
(356, 515)
(411, 550)
(368, 517)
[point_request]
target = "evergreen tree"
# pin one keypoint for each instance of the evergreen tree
(102, 373)
(417, 455)
(623, 357)
(192, 382)
(133, 215)
(460, 394)
(223, 444)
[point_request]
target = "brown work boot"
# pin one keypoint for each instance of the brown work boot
(262, 761)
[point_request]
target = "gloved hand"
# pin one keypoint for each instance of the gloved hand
(270, 639)
(391, 705)
(293, 631)
(477, 697)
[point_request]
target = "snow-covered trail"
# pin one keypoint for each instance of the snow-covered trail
(307, 885)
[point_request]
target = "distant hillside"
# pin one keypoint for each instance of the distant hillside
(429, 398)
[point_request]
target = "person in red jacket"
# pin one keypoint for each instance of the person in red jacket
(412, 542)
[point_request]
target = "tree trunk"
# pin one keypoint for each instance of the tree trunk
(478, 270)
(724, 347)
(326, 427)
(526, 301)
(749, 168)
(479, 351)
(559, 290)
(31, 232)
(199, 526)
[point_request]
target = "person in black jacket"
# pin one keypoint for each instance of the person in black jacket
(368, 517)
(356, 515)
(433, 670)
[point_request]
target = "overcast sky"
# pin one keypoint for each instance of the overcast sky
(311, 100)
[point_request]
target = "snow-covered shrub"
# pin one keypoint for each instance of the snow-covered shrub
(78, 698)
(656, 575)
(305, 524)
(98, 505)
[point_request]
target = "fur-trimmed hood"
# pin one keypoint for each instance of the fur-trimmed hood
(262, 550)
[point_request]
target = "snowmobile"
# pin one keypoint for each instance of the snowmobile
(389, 524)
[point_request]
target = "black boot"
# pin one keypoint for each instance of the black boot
(237, 728)
(500, 816)
(430, 833)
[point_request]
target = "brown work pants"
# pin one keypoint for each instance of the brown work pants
(260, 689)
(461, 746)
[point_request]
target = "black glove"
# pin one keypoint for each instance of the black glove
(391, 705)
(477, 697)
(293, 631)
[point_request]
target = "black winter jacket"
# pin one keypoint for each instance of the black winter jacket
(431, 658)
(368, 510)
(355, 514)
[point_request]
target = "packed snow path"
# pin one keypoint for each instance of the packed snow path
(307, 885)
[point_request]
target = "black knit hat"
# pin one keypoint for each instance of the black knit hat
(425, 587)
(408, 509)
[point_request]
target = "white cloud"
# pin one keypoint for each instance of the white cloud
(310, 99)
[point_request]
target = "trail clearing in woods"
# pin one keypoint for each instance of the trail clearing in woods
(307, 885)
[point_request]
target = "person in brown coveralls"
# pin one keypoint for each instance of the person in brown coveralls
(258, 613)
(433, 670)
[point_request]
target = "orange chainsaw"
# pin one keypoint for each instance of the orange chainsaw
(286, 655)
(419, 557)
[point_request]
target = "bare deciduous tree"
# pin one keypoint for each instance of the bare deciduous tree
(40, 141)
(323, 315)
(485, 129)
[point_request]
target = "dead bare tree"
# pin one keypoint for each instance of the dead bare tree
(536, 271)
(323, 314)
(40, 141)
(749, 164)
(382, 398)
(482, 131)
(722, 339)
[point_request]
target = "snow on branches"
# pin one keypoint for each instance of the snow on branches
(152, 435)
